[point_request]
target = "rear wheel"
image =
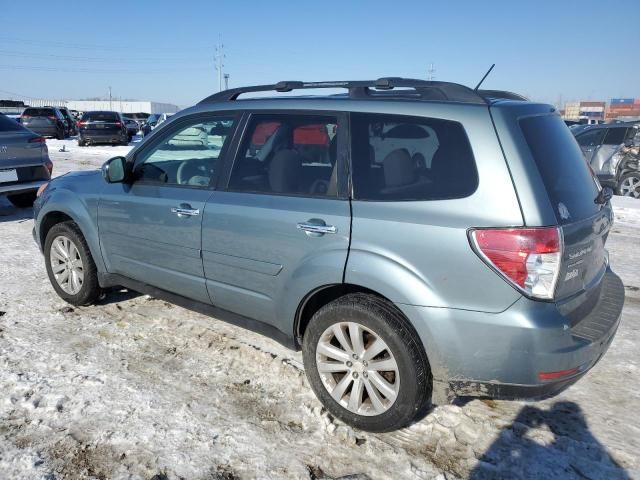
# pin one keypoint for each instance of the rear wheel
(629, 185)
(60, 134)
(23, 200)
(366, 364)
(69, 264)
(81, 143)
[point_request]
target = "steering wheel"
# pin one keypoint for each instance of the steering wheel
(193, 172)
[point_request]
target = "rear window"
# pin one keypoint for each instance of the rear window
(39, 112)
(100, 117)
(567, 177)
(9, 125)
(398, 158)
(615, 136)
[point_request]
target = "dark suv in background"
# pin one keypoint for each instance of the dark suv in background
(102, 127)
(45, 121)
(416, 240)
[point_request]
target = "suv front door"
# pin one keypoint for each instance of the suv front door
(282, 225)
(150, 228)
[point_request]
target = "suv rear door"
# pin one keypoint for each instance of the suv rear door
(279, 226)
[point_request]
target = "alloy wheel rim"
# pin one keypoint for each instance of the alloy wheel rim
(66, 265)
(357, 368)
(631, 187)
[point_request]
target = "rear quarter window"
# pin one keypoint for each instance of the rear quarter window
(568, 180)
(39, 112)
(400, 158)
(100, 117)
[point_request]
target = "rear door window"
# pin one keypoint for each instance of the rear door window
(288, 154)
(568, 180)
(615, 136)
(397, 158)
(591, 138)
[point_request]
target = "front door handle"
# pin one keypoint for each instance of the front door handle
(317, 228)
(185, 210)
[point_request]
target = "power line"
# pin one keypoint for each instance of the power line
(90, 70)
(85, 46)
(137, 60)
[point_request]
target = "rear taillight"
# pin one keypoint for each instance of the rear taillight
(38, 140)
(118, 124)
(82, 124)
(24, 117)
(529, 258)
(49, 166)
(51, 117)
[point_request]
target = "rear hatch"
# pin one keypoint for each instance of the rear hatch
(39, 118)
(572, 190)
(100, 123)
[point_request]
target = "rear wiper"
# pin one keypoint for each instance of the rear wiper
(604, 196)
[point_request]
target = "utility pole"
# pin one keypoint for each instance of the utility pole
(431, 73)
(110, 99)
(226, 81)
(219, 63)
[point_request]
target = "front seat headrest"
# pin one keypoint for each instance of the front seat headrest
(284, 172)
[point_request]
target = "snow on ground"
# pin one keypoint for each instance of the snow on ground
(135, 388)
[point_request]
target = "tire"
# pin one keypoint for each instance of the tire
(60, 134)
(81, 143)
(76, 249)
(629, 185)
(23, 200)
(409, 381)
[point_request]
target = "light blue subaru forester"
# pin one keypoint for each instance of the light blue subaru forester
(417, 240)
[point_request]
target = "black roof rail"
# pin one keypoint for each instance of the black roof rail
(380, 88)
(501, 95)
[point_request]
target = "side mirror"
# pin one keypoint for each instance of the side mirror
(114, 170)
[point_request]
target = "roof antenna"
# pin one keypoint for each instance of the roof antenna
(485, 76)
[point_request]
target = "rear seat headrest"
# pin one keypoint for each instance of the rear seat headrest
(399, 168)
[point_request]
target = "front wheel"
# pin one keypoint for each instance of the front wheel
(69, 264)
(629, 185)
(366, 364)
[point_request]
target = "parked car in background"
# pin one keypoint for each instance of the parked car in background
(45, 121)
(606, 148)
(139, 117)
(132, 127)
(416, 240)
(72, 128)
(24, 162)
(102, 127)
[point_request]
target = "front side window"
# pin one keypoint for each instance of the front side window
(288, 155)
(410, 158)
(187, 157)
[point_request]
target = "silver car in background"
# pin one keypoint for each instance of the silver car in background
(24, 162)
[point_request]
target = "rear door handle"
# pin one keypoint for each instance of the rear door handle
(185, 211)
(320, 228)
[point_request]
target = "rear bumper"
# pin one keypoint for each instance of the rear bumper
(21, 187)
(103, 138)
(44, 131)
(501, 355)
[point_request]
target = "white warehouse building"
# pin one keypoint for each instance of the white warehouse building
(123, 106)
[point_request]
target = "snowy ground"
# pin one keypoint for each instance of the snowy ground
(137, 388)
